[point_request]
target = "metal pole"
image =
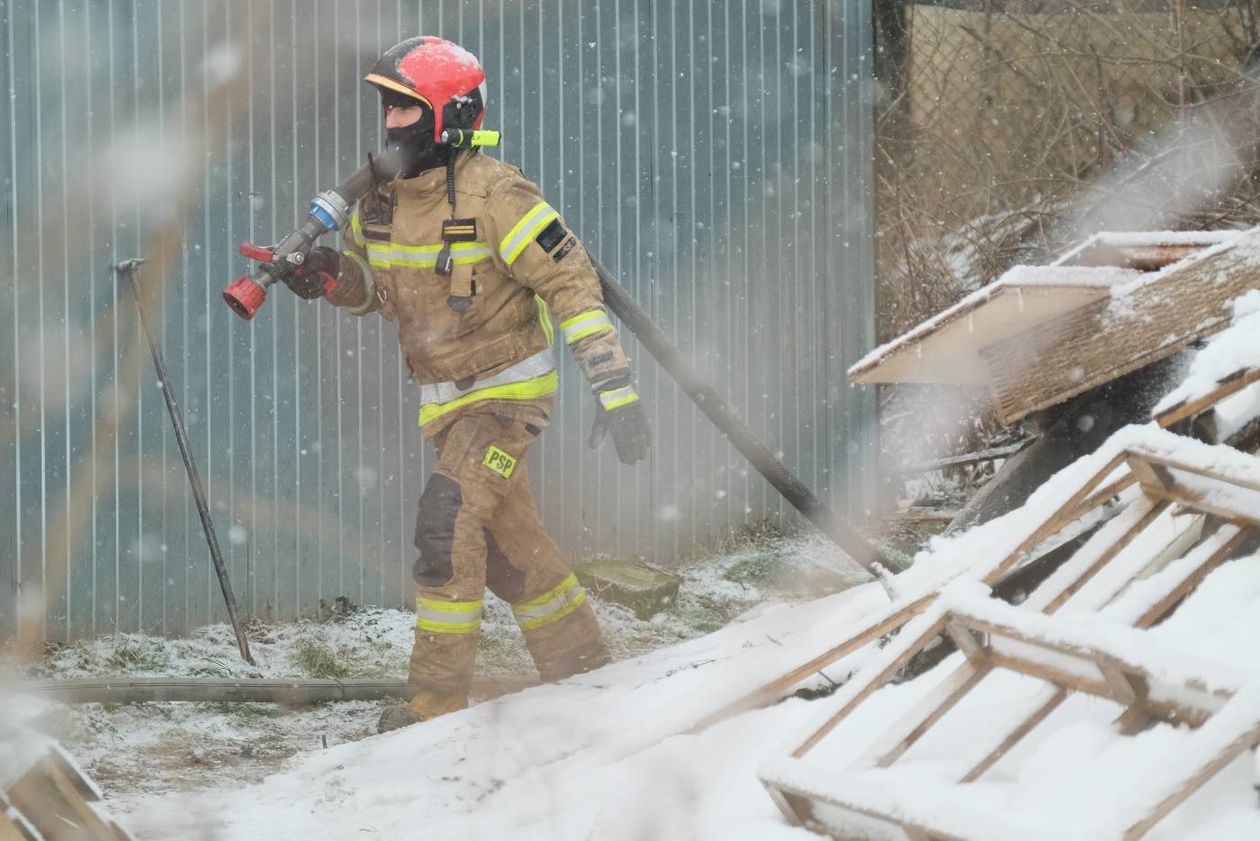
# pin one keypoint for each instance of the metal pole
(716, 410)
(131, 268)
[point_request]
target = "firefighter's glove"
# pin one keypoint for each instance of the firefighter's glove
(619, 411)
(316, 276)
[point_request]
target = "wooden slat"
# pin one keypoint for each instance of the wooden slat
(929, 710)
(1234, 535)
(1148, 510)
(1193, 781)
(1230, 385)
(774, 690)
(905, 649)
(1057, 696)
(790, 792)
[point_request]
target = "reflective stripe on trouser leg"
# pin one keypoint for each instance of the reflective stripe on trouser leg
(439, 616)
(551, 606)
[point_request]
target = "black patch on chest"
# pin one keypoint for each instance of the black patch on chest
(565, 249)
(551, 235)
(459, 230)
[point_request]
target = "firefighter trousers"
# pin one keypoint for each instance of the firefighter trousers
(477, 526)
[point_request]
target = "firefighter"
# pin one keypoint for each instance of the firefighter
(479, 270)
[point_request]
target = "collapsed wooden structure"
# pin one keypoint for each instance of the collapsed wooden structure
(1178, 509)
(55, 800)
(1041, 335)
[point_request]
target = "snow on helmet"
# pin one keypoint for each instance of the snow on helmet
(439, 73)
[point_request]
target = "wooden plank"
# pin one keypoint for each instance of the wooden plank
(974, 649)
(1127, 688)
(1232, 384)
(905, 650)
(1071, 510)
(13, 826)
(788, 790)
(930, 709)
(1232, 535)
(52, 802)
(1198, 501)
(774, 690)
(1057, 696)
(1193, 781)
(1110, 490)
(977, 457)
(1154, 482)
(1053, 599)
(1212, 472)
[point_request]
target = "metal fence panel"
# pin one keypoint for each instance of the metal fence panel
(715, 155)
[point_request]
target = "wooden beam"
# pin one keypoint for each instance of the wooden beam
(1193, 782)
(774, 690)
(977, 457)
(1148, 510)
(1231, 384)
(1232, 535)
(1057, 697)
(930, 709)
(906, 649)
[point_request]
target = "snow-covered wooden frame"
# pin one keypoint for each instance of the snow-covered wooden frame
(53, 801)
(1221, 489)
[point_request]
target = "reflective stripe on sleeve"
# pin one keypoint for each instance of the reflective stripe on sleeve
(551, 606)
(544, 319)
(538, 217)
(585, 324)
(442, 617)
(369, 284)
(616, 397)
(356, 227)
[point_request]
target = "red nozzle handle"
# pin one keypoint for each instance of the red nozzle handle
(245, 296)
(257, 252)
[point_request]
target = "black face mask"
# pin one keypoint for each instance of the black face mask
(415, 141)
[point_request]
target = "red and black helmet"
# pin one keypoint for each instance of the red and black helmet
(439, 73)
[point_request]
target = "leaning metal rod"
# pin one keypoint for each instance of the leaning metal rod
(715, 409)
(131, 268)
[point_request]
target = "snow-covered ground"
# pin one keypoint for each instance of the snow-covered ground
(155, 749)
(607, 755)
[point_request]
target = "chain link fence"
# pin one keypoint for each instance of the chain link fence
(1009, 128)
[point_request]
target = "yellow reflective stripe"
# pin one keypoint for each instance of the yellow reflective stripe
(443, 617)
(523, 231)
(570, 606)
(552, 605)
(585, 324)
(424, 256)
(528, 390)
(369, 284)
(616, 397)
(356, 227)
(544, 318)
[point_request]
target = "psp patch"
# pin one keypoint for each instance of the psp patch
(499, 461)
(564, 250)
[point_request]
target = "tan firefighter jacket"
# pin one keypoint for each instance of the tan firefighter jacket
(485, 331)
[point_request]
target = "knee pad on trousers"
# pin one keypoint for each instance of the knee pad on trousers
(435, 530)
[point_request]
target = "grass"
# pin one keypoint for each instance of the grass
(318, 659)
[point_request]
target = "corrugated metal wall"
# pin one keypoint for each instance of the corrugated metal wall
(715, 155)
